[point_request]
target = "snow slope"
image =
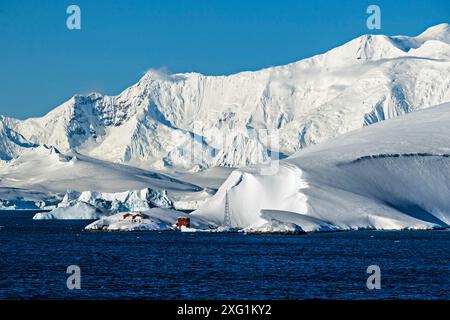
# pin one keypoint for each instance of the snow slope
(192, 121)
(391, 175)
(44, 174)
(47, 168)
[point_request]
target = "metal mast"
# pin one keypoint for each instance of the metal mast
(227, 217)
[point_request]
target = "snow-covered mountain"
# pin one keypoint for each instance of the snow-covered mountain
(392, 175)
(41, 175)
(247, 117)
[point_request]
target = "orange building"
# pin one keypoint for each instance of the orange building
(183, 222)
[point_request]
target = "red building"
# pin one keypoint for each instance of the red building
(183, 222)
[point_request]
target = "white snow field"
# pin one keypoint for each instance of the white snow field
(46, 168)
(155, 219)
(235, 120)
(391, 175)
(40, 177)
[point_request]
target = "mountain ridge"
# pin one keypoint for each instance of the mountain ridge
(191, 121)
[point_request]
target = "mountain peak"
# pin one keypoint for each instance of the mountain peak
(437, 29)
(92, 96)
(165, 76)
(440, 32)
(374, 47)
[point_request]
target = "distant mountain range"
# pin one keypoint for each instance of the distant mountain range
(236, 120)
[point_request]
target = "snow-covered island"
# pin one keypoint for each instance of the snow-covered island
(155, 219)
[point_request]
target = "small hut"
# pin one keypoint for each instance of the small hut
(183, 222)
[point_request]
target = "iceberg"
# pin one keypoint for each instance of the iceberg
(23, 199)
(95, 205)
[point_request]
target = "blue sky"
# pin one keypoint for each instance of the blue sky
(43, 63)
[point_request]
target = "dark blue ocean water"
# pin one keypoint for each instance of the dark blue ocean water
(34, 256)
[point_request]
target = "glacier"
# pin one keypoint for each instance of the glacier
(41, 177)
(94, 205)
(393, 175)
